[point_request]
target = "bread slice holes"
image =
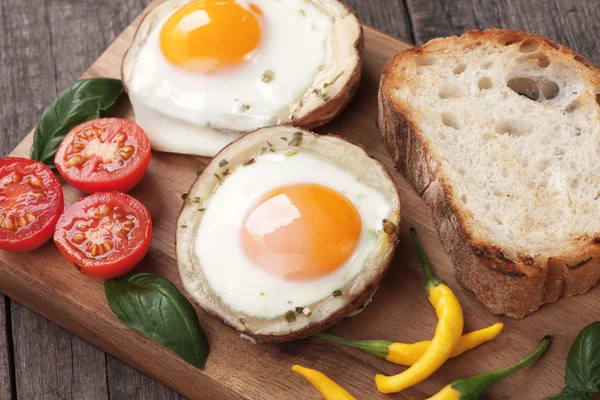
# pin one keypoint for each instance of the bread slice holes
(540, 59)
(512, 128)
(459, 69)
(549, 89)
(574, 183)
(484, 83)
(525, 87)
(427, 60)
(487, 65)
(450, 91)
(544, 62)
(509, 38)
(463, 198)
(499, 222)
(529, 46)
(450, 121)
(574, 105)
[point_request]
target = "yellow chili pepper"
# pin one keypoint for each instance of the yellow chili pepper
(447, 333)
(327, 387)
(472, 388)
(409, 353)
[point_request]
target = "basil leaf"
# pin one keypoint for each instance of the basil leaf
(583, 362)
(583, 366)
(80, 102)
(151, 305)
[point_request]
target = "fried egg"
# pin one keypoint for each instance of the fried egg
(200, 72)
(287, 227)
(286, 232)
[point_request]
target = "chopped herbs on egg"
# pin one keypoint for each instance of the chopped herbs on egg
(317, 92)
(299, 309)
(337, 293)
(372, 233)
(227, 172)
(271, 121)
(183, 226)
(197, 199)
(249, 162)
(302, 12)
(296, 139)
(290, 316)
(217, 176)
(268, 76)
(223, 163)
(325, 97)
(291, 153)
(321, 67)
(202, 209)
(327, 84)
(200, 169)
(245, 107)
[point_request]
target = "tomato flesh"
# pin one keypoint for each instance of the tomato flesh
(104, 235)
(103, 155)
(31, 200)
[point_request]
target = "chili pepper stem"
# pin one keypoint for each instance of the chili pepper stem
(379, 348)
(472, 388)
(430, 279)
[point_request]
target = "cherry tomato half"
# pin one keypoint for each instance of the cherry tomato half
(103, 155)
(104, 235)
(31, 201)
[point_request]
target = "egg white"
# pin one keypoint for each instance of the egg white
(185, 112)
(232, 275)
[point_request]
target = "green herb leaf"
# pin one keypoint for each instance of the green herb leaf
(151, 305)
(80, 102)
(583, 366)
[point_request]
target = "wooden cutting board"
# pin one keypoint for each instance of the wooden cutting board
(43, 281)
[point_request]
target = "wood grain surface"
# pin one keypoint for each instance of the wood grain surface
(45, 45)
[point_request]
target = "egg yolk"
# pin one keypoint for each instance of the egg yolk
(301, 231)
(208, 35)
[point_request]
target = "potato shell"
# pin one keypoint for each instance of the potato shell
(326, 312)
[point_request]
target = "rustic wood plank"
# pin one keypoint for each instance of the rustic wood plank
(5, 372)
(52, 363)
(570, 22)
(125, 382)
(389, 16)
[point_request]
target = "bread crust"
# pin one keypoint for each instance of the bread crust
(513, 287)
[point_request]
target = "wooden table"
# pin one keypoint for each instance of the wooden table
(47, 44)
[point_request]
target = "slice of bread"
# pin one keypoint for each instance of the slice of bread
(499, 131)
